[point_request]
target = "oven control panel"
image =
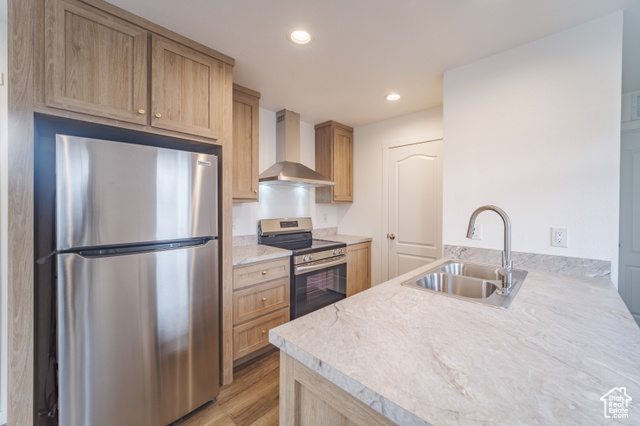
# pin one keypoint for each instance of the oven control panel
(320, 255)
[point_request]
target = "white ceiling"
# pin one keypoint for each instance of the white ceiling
(363, 49)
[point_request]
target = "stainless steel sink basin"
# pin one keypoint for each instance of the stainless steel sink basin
(458, 285)
(474, 270)
(474, 282)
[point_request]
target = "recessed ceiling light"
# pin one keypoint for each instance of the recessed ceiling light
(392, 97)
(299, 36)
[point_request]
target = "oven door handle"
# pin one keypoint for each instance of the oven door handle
(321, 264)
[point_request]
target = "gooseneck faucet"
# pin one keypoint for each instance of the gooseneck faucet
(507, 264)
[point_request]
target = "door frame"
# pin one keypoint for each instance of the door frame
(624, 287)
(384, 224)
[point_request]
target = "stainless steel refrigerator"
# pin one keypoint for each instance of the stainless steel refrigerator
(137, 282)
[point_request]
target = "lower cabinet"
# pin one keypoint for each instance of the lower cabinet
(358, 268)
(310, 399)
(260, 303)
(261, 297)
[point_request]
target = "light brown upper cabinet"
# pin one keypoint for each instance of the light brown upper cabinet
(245, 144)
(186, 92)
(334, 159)
(95, 63)
(101, 65)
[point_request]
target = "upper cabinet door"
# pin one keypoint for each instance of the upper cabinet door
(334, 159)
(186, 92)
(245, 144)
(343, 165)
(95, 63)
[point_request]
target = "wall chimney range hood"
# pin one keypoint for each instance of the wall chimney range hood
(288, 170)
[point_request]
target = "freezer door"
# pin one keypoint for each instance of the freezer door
(112, 193)
(137, 336)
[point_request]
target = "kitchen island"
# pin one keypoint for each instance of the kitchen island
(398, 354)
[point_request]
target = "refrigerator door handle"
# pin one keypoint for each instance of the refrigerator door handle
(141, 248)
(42, 260)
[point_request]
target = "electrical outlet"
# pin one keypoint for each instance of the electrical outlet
(477, 232)
(325, 218)
(559, 237)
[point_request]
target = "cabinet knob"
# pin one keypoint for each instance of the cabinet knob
(391, 236)
(158, 115)
(141, 111)
(264, 272)
(264, 299)
(255, 191)
(264, 331)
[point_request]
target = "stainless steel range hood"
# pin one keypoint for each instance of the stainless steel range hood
(288, 170)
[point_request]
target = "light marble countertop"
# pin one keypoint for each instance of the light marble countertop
(243, 255)
(348, 239)
(423, 358)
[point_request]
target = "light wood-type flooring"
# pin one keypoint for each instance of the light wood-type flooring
(251, 399)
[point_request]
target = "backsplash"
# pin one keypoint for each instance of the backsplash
(324, 232)
(544, 262)
(245, 240)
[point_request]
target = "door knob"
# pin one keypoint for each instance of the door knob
(391, 236)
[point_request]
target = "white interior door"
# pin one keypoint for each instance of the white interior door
(629, 276)
(414, 235)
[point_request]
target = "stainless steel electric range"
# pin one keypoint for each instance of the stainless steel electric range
(318, 267)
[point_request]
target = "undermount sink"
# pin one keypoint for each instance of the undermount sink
(474, 282)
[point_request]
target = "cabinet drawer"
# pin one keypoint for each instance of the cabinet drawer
(251, 302)
(259, 273)
(253, 335)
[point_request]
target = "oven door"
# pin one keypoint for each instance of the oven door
(318, 284)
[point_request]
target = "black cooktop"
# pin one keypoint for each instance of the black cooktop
(318, 245)
(299, 243)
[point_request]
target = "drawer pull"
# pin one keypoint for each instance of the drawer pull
(264, 331)
(141, 111)
(264, 299)
(158, 115)
(264, 272)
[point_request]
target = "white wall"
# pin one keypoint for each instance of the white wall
(3, 220)
(282, 201)
(364, 216)
(536, 131)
